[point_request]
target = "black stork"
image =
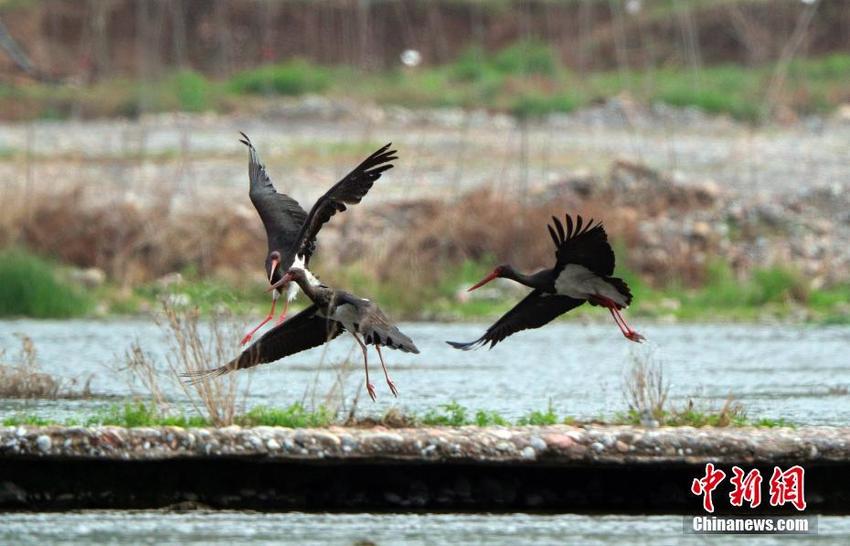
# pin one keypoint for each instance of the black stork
(584, 263)
(290, 231)
(331, 312)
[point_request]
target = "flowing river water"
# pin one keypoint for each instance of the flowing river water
(798, 373)
(794, 372)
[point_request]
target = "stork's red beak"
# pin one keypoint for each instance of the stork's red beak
(275, 263)
(286, 278)
(485, 280)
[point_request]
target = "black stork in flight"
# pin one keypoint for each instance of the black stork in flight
(584, 263)
(332, 312)
(290, 231)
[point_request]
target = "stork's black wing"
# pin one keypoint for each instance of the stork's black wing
(535, 310)
(282, 216)
(303, 331)
(348, 191)
(585, 245)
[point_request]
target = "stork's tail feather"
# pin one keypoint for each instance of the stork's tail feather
(199, 376)
(467, 346)
(396, 340)
(621, 287)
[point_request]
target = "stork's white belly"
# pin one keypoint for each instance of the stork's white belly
(577, 281)
(293, 288)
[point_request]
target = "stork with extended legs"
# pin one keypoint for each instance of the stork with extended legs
(290, 231)
(331, 312)
(584, 265)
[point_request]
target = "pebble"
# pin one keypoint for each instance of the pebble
(528, 453)
(537, 443)
(44, 443)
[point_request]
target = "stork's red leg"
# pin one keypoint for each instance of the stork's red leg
(390, 383)
(617, 321)
(629, 333)
(618, 318)
(270, 316)
(282, 316)
(369, 386)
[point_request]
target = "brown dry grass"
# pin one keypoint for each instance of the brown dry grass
(25, 379)
(411, 242)
(194, 347)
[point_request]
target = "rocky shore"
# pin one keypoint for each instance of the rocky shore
(612, 469)
(553, 444)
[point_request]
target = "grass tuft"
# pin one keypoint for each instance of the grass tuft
(29, 287)
(540, 418)
(448, 415)
(293, 416)
(295, 77)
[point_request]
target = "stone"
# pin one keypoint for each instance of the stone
(44, 443)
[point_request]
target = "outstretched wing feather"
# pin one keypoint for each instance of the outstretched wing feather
(281, 215)
(583, 244)
(303, 331)
(535, 310)
(348, 191)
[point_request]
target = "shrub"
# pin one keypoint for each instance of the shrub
(526, 58)
(29, 287)
(295, 77)
(192, 91)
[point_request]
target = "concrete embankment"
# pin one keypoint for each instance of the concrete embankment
(553, 468)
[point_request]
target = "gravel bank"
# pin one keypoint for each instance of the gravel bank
(555, 469)
(553, 444)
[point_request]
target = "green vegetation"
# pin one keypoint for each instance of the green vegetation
(774, 291)
(295, 77)
(448, 415)
(526, 79)
(540, 418)
(696, 418)
(139, 414)
(294, 416)
(29, 286)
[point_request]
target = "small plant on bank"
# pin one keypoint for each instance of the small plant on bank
(489, 419)
(540, 418)
(449, 415)
(644, 387)
(294, 416)
(25, 379)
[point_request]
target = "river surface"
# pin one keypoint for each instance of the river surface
(243, 528)
(798, 373)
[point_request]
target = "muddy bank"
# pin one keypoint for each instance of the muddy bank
(560, 468)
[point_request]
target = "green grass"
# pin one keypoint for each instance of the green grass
(703, 418)
(294, 416)
(31, 286)
(526, 79)
(449, 415)
(295, 77)
(138, 414)
(540, 418)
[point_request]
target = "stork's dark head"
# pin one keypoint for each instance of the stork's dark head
(501, 271)
(272, 263)
(294, 274)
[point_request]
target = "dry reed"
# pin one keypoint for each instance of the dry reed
(25, 379)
